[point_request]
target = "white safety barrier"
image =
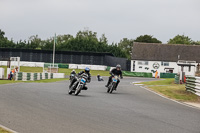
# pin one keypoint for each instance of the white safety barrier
(83, 66)
(58, 75)
(1, 73)
(24, 63)
(3, 63)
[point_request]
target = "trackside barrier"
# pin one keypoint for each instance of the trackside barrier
(176, 81)
(37, 76)
(58, 75)
(83, 66)
(137, 74)
(193, 85)
(167, 75)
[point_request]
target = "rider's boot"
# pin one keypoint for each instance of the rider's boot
(85, 87)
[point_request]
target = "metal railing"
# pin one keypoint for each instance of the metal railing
(193, 85)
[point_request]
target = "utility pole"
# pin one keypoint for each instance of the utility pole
(54, 45)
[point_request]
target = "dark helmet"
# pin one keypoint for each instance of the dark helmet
(87, 70)
(118, 66)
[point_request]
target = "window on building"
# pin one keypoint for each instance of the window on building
(143, 63)
(164, 63)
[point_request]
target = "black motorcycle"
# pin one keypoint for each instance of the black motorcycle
(113, 85)
(78, 84)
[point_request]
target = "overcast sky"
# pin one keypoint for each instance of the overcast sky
(118, 19)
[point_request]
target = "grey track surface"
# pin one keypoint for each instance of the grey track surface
(47, 108)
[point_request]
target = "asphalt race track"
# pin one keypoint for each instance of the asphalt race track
(47, 108)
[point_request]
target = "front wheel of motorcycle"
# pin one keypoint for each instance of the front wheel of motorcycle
(77, 91)
(112, 88)
(108, 90)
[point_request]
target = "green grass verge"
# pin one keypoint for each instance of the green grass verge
(31, 69)
(174, 91)
(159, 82)
(9, 81)
(60, 70)
(63, 70)
(93, 72)
(3, 130)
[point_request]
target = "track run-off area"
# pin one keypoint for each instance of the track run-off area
(47, 108)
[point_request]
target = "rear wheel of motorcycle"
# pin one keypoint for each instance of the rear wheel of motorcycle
(70, 91)
(77, 92)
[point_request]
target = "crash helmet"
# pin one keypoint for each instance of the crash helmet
(87, 70)
(118, 66)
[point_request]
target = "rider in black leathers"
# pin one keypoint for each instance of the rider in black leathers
(116, 71)
(87, 71)
(73, 72)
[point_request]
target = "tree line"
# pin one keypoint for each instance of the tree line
(87, 41)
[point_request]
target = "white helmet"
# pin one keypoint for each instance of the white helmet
(118, 66)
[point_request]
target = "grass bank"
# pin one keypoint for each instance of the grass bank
(63, 70)
(3, 130)
(93, 72)
(60, 70)
(9, 81)
(167, 88)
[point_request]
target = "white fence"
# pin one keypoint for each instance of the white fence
(24, 63)
(193, 85)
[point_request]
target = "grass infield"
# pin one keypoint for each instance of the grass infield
(171, 90)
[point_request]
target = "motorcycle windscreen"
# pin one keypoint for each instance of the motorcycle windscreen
(114, 80)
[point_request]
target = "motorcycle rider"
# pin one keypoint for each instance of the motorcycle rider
(72, 72)
(116, 71)
(86, 71)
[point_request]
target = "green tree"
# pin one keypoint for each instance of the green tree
(197, 43)
(4, 42)
(126, 45)
(147, 39)
(181, 39)
(35, 42)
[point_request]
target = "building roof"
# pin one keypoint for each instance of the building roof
(165, 52)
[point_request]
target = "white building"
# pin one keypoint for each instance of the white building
(149, 57)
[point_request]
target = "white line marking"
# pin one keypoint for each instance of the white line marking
(10, 130)
(169, 98)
